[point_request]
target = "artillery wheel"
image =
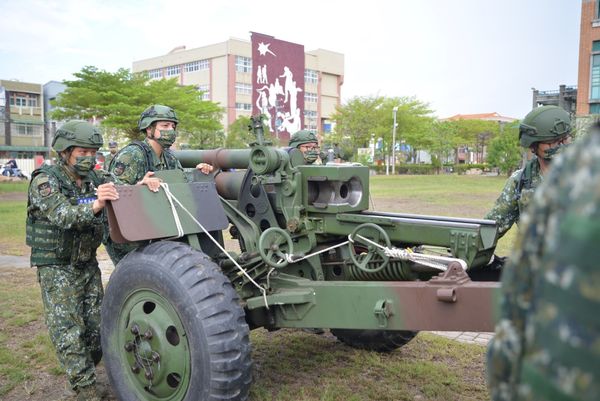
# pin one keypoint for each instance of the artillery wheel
(365, 236)
(374, 340)
(173, 329)
(273, 244)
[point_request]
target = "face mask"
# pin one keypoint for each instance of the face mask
(551, 153)
(167, 138)
(311, 156)
(84, 164)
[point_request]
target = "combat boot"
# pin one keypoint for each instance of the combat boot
(88, 393)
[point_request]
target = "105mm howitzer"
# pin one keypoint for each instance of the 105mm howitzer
(177, 311)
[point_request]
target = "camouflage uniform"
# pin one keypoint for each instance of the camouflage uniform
(130, 165)
(515, 196)
(64, 233)
(547, 343)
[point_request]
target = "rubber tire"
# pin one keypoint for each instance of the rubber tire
(374, 340)
(208, 307)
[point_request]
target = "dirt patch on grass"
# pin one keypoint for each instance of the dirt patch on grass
(13, 196)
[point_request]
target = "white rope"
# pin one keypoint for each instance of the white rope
(437, 262)
(180, 231)
(171, 198)
(290, 258)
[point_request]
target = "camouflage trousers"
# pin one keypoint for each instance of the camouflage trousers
(72, 298)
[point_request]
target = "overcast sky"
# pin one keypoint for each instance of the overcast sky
(460, 56)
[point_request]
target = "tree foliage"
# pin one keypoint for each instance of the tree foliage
(364, 118)
(239, 136)
(504, 151)
(117, 100)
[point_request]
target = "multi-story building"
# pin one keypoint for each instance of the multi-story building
(565, 97)
(51, 90)
(21, 120)
(223, 73)
(588, 86)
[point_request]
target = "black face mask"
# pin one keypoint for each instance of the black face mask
(550, 153)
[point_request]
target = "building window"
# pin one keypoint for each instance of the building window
(243, 64)
(22, 129)
(173, 70)
(17, 99)
(311, 76)
(153, 74)
(243, 106)
(243, 89)
(595, 77)
(196, 66)
(205, 89)
(310, 97)
(595, 108)
(310, 113)
(32, 101)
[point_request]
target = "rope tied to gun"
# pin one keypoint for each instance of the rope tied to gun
(437, 262)
(172, 201)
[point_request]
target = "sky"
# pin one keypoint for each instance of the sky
(460, 56)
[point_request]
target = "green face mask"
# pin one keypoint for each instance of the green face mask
(551, 153)
(167, 138)
(310, 156)
(84, 164)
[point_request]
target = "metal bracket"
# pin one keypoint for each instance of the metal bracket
(452, 278)
(382, 311)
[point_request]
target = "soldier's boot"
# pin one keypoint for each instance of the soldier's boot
(88, 393)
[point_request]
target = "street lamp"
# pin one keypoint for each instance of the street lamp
(394, 110)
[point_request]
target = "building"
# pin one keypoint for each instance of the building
(51, 90)
(565, 97)
(223, 73)
(588, 94)
(21, 121)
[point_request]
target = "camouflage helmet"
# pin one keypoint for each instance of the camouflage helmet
(77, 133)
(546, 123)
(155, 113)
(302, 137)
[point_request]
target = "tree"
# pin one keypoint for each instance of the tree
(117, 100)
(365, 117)
(504, 151)
(474, 134)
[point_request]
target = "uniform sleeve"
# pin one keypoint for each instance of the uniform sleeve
(47, 200)
(505, 211)
(129, 165)
(505, 351)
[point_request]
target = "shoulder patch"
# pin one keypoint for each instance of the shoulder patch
(119, 168)
(44, 189)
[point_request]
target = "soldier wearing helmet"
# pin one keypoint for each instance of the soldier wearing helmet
(307, 143)
(113, 149)
(545, 131)
(63, 226)
(158, 123)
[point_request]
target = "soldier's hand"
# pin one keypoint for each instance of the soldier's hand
(153, 183)
(104, 192)
(205, 168)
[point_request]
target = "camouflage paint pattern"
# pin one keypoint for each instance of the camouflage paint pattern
(71, 291)
(129, 166)
(513, 201)
(72, 298)
(547, 343)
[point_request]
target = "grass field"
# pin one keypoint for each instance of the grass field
(288, 365)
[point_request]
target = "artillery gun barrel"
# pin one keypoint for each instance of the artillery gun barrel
(229, 184)
(219, 158)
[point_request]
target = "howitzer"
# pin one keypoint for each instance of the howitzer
(178, 309)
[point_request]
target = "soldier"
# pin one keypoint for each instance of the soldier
(63, 227)
(546, 343)
(113, 148)
(544, 130)
(159, 124)
(308, 144)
